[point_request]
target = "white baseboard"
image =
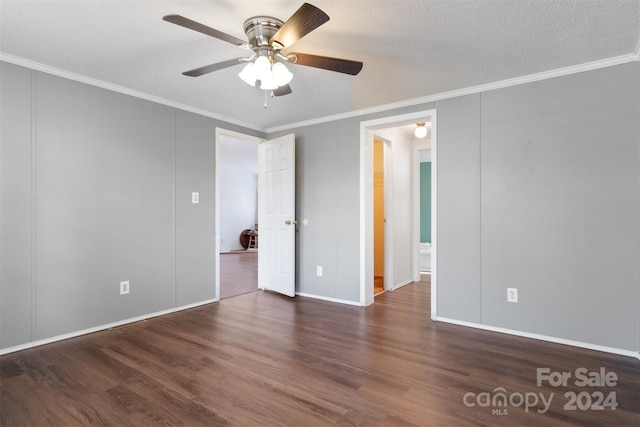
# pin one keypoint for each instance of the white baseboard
(119, 323)
(340, 301)
(556, 340)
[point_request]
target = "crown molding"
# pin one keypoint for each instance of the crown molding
(604, 63)
(121, 89)
(618, 60)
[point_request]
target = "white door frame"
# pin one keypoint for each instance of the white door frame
(219, 133)
(367, 129)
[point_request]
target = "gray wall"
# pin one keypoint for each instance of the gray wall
(96, 189)
(16, 275)
(458, 204)
(559, 206)
(327, 195)
(538, 189)
(194, 223)
(103, 206)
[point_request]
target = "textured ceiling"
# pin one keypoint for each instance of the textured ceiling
(410, 48)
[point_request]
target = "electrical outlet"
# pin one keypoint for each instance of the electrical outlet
(319, 271)
(195, 197)
(124, 287)
(512, 294)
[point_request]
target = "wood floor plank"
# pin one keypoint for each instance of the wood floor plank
(261, 359)
(238, 273)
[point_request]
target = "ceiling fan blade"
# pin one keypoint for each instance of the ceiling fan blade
(282, 90)
(196, 72)
(301, 23)
(345, 66)
(201, 28)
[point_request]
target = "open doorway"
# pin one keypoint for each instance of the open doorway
(402, 235)
(269, 201)
(237, 242)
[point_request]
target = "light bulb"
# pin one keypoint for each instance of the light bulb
(249, 74)
(281, 75)
(263, 67)
(421, 131)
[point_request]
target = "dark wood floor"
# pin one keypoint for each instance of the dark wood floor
(238, 273)
(261, 359)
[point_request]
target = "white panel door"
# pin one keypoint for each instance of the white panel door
(276, 215)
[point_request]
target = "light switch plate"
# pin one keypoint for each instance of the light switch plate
(124, 287)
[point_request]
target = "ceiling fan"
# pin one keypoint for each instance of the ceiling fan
(267, 37)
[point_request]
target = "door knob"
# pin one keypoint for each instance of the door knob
(289, 222)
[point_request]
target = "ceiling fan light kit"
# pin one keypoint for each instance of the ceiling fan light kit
(267, 37)
(271, 75)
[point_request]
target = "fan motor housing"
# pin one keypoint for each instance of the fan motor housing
(260, 29)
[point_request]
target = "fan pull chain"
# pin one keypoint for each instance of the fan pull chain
(265, 98)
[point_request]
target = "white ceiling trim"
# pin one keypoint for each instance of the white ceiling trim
(618, 60)
(120, 89)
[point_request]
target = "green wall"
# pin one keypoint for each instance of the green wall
(425, 202)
